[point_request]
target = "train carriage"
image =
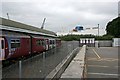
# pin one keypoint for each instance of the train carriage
(38, 44)
(14, 45)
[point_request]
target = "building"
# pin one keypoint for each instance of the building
(11, 25)
(84, 32)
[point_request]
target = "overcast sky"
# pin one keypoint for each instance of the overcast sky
(62, 15)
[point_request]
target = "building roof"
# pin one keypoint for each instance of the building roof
(14, 24)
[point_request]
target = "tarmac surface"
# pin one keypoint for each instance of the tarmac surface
(102, 62)
(41, 65)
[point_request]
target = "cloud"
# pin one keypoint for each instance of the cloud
(62, 14)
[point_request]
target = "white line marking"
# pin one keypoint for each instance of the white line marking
(103, 66)
(97, 66)
(117, 66)
(96, 54)
(104, 74)
(103, 59)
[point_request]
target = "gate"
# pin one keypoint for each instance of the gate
(90, 42)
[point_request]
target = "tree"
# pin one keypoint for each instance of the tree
(113, 27)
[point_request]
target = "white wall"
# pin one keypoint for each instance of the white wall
(103, 43)
(116, 42)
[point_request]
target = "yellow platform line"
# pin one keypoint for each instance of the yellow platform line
(96, 54)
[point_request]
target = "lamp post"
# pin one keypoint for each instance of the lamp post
(7, 15)
(98, 29)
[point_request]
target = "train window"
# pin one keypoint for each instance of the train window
(12, 41)
(38, 42)
(15, 43)
(43, 43)
(2, 42)
(50, 41)
(53, 42)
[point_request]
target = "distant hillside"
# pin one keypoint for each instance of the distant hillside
(113, 27)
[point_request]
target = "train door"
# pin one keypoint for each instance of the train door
(2, 48)
(46, 44)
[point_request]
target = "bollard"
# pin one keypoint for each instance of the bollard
(73, 45)
(43, 55)
(0, 70)
(20, 69)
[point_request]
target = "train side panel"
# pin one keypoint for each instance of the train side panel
(38, 45)
(18, 47)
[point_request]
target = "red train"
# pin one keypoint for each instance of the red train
(15, 45)
(19, 40)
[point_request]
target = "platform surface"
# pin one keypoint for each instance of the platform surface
(76, 66)
(102, 62)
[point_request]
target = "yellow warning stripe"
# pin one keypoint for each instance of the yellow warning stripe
(96, 54)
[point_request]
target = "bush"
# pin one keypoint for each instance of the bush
(77, 37)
